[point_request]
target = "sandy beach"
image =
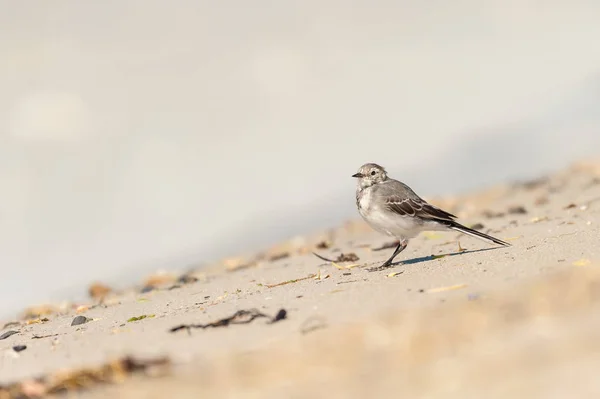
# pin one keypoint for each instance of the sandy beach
(457, 318)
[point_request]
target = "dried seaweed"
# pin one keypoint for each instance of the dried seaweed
(138, 318)
(279, 256)
(71, 381)
(8, 334)
(239, 317)
(538, 219)
(339, 267)
(290, 281)
(582, 262)
(312, 323)
(322, 257)
(491, 214)
(319, 276)
(447, 288)
(394, 274)
(351, 281)
(349, 257)
(44, 336)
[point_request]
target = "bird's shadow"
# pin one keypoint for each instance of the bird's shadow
(432, 257)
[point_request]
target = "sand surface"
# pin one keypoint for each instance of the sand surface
(448, 321)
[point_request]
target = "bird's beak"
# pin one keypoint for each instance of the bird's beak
(358, 175)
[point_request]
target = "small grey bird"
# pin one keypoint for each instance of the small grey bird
(392, 208)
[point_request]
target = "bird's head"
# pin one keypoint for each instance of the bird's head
(370, 174)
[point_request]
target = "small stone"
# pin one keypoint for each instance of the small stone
(517, 210)
(79, 320)
(19, 348)
(281, 315)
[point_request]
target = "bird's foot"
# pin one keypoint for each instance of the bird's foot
(380, 268)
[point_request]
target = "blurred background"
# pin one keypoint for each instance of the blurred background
(144, 135)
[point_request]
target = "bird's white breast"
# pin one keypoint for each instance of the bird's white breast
(364, 201)
(383, 220)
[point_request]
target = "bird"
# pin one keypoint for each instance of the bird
(392, 208)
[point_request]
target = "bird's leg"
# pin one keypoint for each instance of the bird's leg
(401, 247)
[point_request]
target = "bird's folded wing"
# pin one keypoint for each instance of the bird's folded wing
(418, 208)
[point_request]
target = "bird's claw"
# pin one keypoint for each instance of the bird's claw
(380, 268)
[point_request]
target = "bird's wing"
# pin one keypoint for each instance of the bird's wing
(402, 200)
(417, 207)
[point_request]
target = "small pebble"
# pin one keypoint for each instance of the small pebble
(19, 348)
(517, 210)
(79, 320)
(281, 315)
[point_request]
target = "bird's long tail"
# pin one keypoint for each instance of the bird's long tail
(477, 234)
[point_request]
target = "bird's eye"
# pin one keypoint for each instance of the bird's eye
(373, 173)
